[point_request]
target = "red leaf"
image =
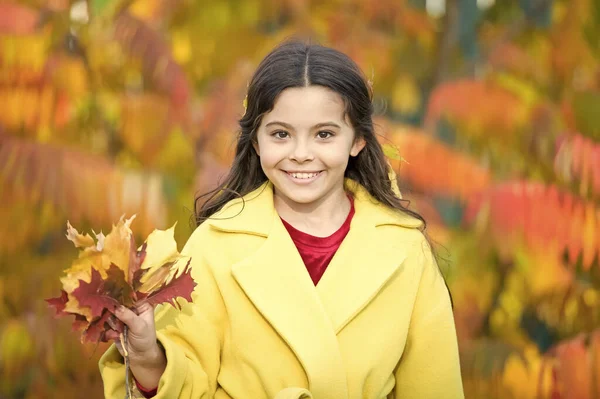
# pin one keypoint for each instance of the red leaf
(59, 303)
(97, 328)
(181, 286)
(116, 287)
(94, 294)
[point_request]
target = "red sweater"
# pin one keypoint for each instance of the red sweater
(316, 252)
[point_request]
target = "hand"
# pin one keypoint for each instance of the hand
(146, 358)
(141, 339)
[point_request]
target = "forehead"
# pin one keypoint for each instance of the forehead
(310, 105)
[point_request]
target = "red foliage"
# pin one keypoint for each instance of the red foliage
(578, 157)
(17, 19)
(432, 167)
(541, 216)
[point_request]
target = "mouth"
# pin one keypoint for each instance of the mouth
(303, 176)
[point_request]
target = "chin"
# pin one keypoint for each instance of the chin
(299, 198)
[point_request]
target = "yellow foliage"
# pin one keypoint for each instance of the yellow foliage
(16, 349)
(145, 9)
(182, 47)
(528, 376)
(406, 95)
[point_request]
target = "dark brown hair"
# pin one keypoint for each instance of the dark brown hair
(298, 64)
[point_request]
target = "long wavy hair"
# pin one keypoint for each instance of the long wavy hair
(298, 64)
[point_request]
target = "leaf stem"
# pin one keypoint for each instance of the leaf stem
(128, 394)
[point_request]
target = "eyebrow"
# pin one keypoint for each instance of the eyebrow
(318, 125)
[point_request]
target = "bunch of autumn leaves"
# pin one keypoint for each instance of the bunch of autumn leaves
(112, 271)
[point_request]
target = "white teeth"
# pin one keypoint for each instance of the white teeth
(303, 175)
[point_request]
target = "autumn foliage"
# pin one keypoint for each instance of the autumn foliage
(489, 117)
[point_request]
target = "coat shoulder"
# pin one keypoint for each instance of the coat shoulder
(220, 249)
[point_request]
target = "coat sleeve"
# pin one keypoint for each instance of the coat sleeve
(430, 366)
(192, 339)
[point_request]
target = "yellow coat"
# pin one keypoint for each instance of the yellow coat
(378, 325)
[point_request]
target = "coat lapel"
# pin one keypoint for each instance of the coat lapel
(365, 261)
(360, 268)
(276, 281)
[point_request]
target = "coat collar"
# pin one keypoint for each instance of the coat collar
(275, 279)
(253, 213)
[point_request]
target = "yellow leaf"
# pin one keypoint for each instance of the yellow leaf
(391, 152)
(156, 279)
(161, 249)
(117, 244)
(78, 239)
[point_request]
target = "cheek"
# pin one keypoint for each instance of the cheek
(269, 154)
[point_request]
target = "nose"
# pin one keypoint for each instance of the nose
(301, 151)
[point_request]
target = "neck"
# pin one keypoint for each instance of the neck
(321, 218)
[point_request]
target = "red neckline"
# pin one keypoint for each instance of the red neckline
(324, 243)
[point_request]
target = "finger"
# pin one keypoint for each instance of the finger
(128, 317)
(144, 308)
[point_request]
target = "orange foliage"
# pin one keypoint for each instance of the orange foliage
(144, 43)
(478, 107)
(80, 185)
(539, 216)
(434, 168)
(578, 157)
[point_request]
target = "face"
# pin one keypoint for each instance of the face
(304, 144)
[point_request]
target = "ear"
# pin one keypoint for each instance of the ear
(357, 147)
(256, 148)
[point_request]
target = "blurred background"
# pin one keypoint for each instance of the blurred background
(130, 106)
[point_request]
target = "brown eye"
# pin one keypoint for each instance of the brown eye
(324, 134)
(280, 134)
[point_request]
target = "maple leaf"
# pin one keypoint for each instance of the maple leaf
(161, 249)
(112, 272)
(117, 244)
(95, 296)
(157, 279)
(96, 330)
(181, 286)
(78, 239)
(117, 287)
(59, 303)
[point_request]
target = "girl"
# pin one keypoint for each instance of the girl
(314, 281)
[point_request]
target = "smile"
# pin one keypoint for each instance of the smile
(304, 176)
